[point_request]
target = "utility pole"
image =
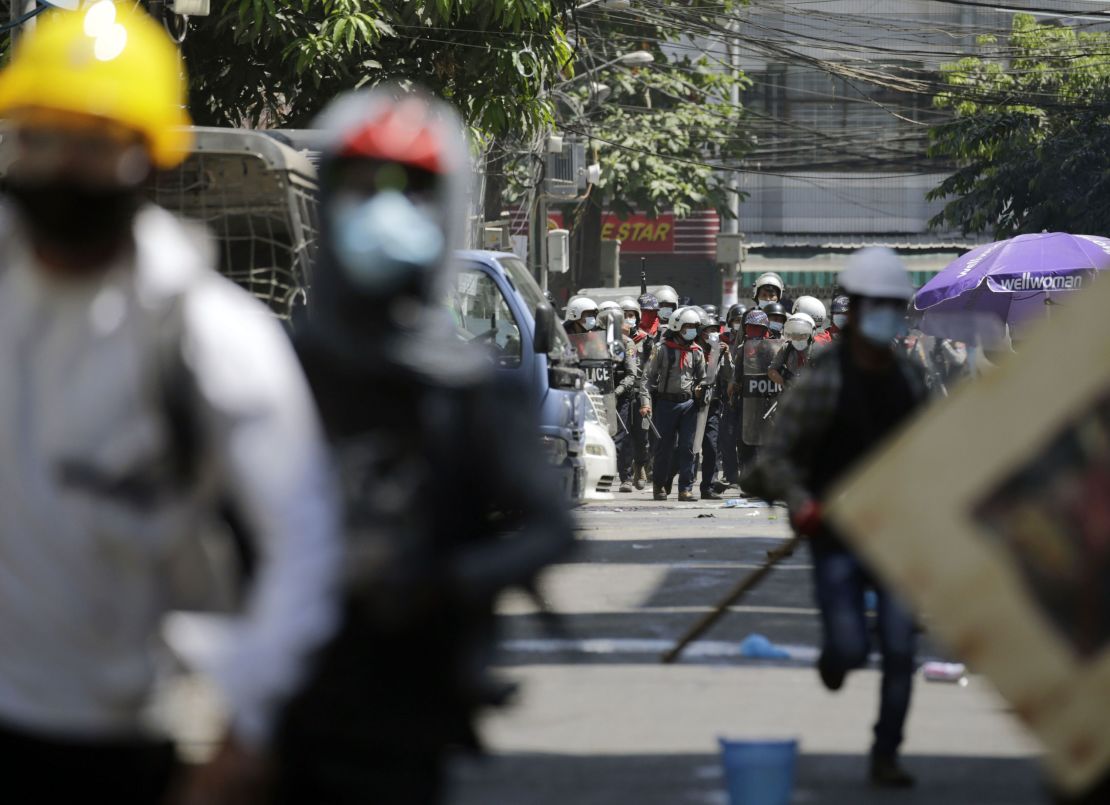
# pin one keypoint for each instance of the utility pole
(731, 272)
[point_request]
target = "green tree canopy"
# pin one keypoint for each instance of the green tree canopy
(664, 130)
(1031, 134)
(279, 61)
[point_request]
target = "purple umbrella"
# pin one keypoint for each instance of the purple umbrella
(1008, 282)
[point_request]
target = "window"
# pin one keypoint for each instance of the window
(484, 318)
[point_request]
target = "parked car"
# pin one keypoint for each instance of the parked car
(498, 304)
(601, 450)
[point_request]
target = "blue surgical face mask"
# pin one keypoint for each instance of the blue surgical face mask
(665, 312)
(881, 324)
(589, 322)
(840, 319)
(776, 326)
(383, 241)
(690, 333)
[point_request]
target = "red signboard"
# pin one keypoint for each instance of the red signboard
(639, 234)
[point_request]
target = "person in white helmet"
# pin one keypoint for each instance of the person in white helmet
(843, 406)
(812, 307)
(675, 379)
(768, 288)
(580, 316)
(667, 297)
(792, 358)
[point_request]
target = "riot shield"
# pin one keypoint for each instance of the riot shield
(596, 360)
(712, 366)
(759, 391)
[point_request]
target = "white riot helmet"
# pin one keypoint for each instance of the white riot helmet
(811, 306)
(686, 319)
(667, 298)
(608, 305)
(876, 273)
(770, 279)
(799, 330)
(630, 305)
(582, 309)
(672, 324)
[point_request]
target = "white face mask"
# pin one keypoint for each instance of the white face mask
(589, 322)
(665, 312)
(764, 302)
(800, 344)
(738, 327)
(839, 320)
(713, 338)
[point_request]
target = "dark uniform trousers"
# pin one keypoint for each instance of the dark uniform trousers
(677, 422)
(709, 444)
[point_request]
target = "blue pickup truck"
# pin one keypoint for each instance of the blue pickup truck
(499, 305)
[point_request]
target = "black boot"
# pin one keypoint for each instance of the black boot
(887, 772)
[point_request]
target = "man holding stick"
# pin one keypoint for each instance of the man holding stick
(849, 401)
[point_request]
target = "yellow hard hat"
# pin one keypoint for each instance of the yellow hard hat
(108, 62)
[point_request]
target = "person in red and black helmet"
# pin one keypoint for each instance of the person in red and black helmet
(406, 404)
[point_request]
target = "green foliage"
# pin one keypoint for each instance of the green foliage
(1031, 137)
(278, 62)
(663, 130)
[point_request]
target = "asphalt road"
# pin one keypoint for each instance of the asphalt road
(601, 721)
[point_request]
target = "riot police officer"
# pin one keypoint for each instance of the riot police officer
(793, 357)
(675, 379)
(641, 345)
(776, 316)
(668, 304)
(812, 307)
(581, 315)
(768, 288)
(629, 392)
(727, 437)
(755, 388)
(405, 404)
(839, 320)
(718, 378)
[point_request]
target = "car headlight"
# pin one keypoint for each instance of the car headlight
(554, 449)
(595, 449)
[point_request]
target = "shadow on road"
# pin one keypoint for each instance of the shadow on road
(546, 779)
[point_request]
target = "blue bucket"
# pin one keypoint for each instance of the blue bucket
(759, 772)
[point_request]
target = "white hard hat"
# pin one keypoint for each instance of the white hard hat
(770, 278)
(627, 304)
(578, 306)
(811, 306)
(667, 296)
(876, 272)
(686, 317)
(800, 324)
(608, 305)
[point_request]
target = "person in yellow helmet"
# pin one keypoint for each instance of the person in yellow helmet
(141, 394)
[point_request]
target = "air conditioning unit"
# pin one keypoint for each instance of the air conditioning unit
(566, 171)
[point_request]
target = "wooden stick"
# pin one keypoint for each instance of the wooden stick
(739, 591)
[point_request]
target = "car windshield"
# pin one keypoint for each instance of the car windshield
(525, 284)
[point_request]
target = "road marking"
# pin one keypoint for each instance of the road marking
(705, 649)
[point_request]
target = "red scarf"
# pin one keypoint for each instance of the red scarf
(685, 349)
(649, 322)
